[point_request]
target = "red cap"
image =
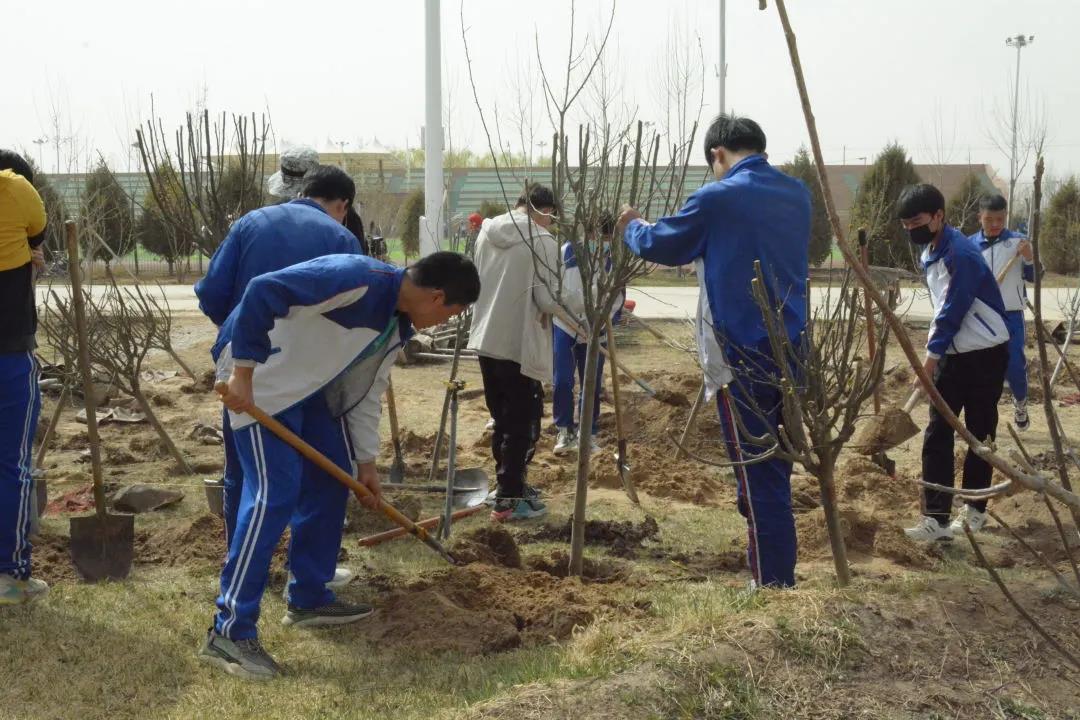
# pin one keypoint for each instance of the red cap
(476, 219)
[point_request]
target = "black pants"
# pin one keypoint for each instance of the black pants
(970, 382)
(516, 403)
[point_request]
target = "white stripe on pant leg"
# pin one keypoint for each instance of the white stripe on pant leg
(247, 548)
(740, 471)
(24, 478)
(251, 537)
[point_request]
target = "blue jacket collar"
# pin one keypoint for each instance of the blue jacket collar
(746, 162)
(310, 203)
(944, 243)
(985, 242)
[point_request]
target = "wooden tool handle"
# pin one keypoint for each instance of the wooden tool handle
(324, 463)
(391, 407)
(427, 524)
(1005, 270)
(913, 400)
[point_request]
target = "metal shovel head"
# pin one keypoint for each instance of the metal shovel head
(102, 547)
(397, 472)
(215, 496)
(879, 433)
(470, 487)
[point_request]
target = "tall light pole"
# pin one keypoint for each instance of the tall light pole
(1019, 42)
(722, 67)
(39, 142)
(431, 227)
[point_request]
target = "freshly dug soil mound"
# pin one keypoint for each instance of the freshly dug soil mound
(483, 609)
(197, 541)
(557, 563)
(622, 537)
(863, 533)
(488, 544)
(52, 559)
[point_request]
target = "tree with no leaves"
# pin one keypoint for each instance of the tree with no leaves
(962, 211)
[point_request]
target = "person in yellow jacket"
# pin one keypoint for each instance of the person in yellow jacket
(22, 227)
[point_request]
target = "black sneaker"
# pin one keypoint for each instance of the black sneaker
(335, 613)
(243, 658)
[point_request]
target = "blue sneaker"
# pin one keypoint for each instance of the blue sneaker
(510, 510)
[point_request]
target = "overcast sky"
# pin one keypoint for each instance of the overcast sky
(353, 71)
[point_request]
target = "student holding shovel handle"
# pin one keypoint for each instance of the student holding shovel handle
(312, 345)
(1002, 248)
(22, 227)
(966, 355)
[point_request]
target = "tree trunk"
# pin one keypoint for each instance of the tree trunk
(832, 522)
(144, 405)
(588, 392)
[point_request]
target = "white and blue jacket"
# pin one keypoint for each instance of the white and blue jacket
(573, 292)
(998, 252)
(327, 325)
(969, 313)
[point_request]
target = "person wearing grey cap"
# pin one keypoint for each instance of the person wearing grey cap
(295, 163)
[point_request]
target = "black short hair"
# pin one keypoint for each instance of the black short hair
(451, 272)
(920, 198)
(11, 160)
(994, 202)
(733, 133)
(329, 182)
(538, 196)
(355, 224)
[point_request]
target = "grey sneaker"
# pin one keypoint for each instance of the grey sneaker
(335, 613)
(565, 442)
(243, 658)
(1020, 415)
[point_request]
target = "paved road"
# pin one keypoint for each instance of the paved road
(666, 303)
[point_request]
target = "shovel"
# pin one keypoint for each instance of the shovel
(397, 470)
(330, 467)
(879, 458)
(470, 489)
(887, 430)
(102, 544)
(621, 460)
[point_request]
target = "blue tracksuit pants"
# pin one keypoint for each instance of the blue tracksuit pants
(20, 403)
(232, 477)
(1016, 373)
(280, 488)
(569, 357)
(764, 488)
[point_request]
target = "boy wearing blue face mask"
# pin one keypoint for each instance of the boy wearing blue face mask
(966, 355)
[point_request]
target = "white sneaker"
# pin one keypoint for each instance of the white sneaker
(1020, 416)
(929, 530)
(17, 592)
(342, 577)
(595, 445)
(490, 424)
(566, 441)
(975, 520)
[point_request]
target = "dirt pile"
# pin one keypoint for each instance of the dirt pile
(557, 563)
(484, 609)
(52, 559)
(655, 471)
(191, 542)
(864, 533)
(622, 537)
(491, 545)
(413, 443)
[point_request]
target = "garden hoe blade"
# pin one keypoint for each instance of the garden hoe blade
(887, 430)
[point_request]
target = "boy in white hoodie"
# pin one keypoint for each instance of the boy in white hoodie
(518, 261)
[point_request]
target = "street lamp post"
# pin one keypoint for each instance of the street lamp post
(431, 229)
(722, 68)
(1019, 42)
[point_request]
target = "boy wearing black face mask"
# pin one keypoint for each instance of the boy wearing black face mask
(966, 355)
